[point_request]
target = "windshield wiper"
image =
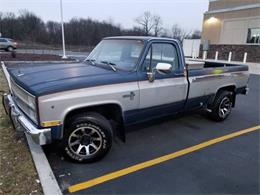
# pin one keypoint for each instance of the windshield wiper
(110, 64)
(92, 61)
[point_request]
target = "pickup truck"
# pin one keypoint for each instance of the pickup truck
(123, 81)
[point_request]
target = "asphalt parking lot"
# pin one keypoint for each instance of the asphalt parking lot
(230, 166)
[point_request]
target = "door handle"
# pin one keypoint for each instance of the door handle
(131, 95)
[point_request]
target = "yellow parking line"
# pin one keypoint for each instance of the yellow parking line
(143, 165)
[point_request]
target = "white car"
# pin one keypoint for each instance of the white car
(7, 44)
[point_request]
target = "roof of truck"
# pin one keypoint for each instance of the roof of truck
(144, 38)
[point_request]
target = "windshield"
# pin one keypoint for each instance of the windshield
(122, 54)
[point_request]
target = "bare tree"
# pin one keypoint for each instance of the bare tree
(146, 22)
(8, 24)
(28, 27)
(157, 25)
(166, 33)
(178, 33)
(175, 31)
(1, 16)
(196, 34)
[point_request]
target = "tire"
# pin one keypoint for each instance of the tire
(9, 48)
(222, 106)
(88, 138)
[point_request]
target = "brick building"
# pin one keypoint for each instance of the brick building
(232, 25)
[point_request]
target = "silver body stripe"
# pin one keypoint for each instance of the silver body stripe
(210, 84)
(64, 102)
(146, 94)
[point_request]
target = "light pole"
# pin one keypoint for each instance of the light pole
(62, 31)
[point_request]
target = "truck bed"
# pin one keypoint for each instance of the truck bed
(207, 77)
(195, 64)
(197, 68)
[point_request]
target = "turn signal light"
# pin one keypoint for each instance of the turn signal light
(51, 123)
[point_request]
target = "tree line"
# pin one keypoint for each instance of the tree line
(28, 27)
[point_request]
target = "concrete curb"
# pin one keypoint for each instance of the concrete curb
(6, 73)
(48, 181)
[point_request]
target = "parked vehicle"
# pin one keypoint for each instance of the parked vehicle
(124, 81)
(7, 44)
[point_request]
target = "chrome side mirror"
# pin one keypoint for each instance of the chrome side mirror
(163, 67)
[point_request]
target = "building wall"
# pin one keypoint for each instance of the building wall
(235, 31)
(237, 22)
(223, 4)
(238, 51)
(226, 25)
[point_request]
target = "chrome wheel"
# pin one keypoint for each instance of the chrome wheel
(85, 141)
(225, 107)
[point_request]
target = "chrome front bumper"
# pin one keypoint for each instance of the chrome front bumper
(22, 123)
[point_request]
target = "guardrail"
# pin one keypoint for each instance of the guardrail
(50, 52)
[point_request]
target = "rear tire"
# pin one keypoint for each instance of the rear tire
(221, 107)
(88, 138)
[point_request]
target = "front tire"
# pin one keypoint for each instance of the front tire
(9, 48)
(221, 107)
(88, 138)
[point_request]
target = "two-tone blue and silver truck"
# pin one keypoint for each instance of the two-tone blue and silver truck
(124, 81)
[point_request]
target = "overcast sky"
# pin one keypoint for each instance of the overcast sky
(187, 13)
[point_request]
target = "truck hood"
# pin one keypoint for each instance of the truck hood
(43, 79)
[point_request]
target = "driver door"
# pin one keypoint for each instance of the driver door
(167, 93)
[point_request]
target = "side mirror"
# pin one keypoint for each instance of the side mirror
(163, 67)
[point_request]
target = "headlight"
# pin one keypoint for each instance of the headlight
(33, 116)
(31, 102)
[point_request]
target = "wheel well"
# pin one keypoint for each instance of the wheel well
(112, 112)
(231, 88)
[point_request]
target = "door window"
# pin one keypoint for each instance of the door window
(161, 53)
(3, 40)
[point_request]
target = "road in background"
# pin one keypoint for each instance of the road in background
(75, 55)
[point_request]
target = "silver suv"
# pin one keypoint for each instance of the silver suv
(7, 44)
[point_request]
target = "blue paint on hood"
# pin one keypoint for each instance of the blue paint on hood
(43, 79)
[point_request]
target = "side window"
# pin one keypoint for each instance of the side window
(3, 40)
(169, 55)
(161, 53)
